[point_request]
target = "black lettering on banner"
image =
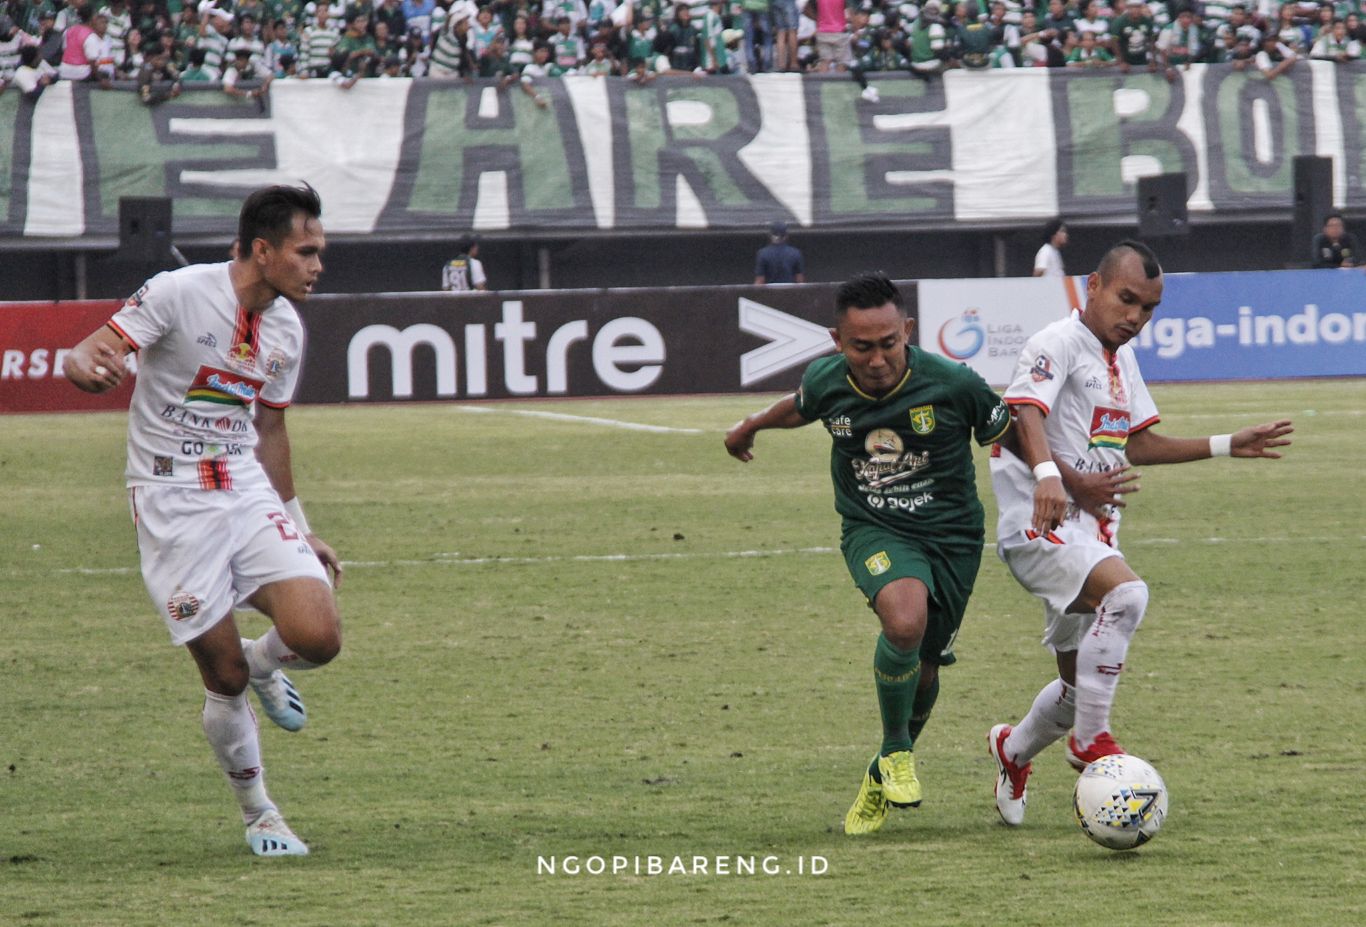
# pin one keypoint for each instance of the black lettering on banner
(453, 137)
(132, 151)
(14, 162)
(677, 132)
(1093, 138)
(1253, 129)
(860, 168)
(1351, 94)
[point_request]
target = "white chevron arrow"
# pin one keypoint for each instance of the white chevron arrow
(792, 340)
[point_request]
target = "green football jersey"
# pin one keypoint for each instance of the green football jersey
(904, 461)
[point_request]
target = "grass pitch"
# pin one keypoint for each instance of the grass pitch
(569, 639)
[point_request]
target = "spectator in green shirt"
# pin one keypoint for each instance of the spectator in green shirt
(883, 56)
(197, 71)
(1179, 43)
(1131, 35)
(1088, 53)
(358, 46)
(493, 62)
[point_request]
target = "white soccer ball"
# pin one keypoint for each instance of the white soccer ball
(1120, 801)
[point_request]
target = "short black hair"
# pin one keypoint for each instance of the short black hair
(1052, 228)
(869, 290)
(1334, 215)
(269, 213)
(1151, 268)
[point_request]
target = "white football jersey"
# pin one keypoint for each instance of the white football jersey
(203, 364)
(1093, 401)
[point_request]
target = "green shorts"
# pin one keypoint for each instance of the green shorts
(876, 557)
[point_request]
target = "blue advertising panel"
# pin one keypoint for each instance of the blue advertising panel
(1288, 323)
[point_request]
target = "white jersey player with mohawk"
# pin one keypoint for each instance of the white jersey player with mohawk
(211, 485)
(1083, 414)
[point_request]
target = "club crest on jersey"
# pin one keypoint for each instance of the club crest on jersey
(922, 419)
(879, 563)
(182, 605)
(1042, 369)
(274, 365)
(242, 358)
(223, 387)
(136, 299)
(1109, 428)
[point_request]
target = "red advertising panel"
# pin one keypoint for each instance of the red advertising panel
(34, 338)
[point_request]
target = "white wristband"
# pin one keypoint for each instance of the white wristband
(1220, 445)
(1046, 469)
(296, 515)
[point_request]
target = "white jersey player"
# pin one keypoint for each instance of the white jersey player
(210, 483)
(1083, 415)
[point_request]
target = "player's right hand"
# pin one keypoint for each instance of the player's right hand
(95, 369)
(1093, 492)
(739, 441)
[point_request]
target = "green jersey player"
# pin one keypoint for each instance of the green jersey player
(901, 422)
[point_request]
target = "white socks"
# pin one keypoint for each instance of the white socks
(230, 726)
(1049, 719)
(1100, 658)
(268, 653)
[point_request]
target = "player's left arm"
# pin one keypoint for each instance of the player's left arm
(272, 449)
(1147, 447)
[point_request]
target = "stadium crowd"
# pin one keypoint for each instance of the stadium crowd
(163, 44)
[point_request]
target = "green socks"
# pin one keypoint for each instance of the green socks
(896, 673)
(920, 710)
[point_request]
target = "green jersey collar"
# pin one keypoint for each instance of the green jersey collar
(891, 392)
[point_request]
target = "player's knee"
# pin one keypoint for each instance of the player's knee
(327, 647)
(320, 645)
(228, 675)
(1126, 603)
(903, 633)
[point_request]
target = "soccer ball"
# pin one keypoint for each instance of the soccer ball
(1120, 801)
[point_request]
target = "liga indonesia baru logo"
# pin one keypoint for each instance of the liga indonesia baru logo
(963, 337)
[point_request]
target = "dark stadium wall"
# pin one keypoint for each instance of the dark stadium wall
(676, 259)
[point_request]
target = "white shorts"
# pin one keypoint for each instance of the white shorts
(1055, 568)
(204, 553)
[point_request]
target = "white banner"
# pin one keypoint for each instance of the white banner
(984, 323)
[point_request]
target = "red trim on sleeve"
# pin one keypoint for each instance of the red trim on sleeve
(1028, 401)
(123, 334)
(1147, 423)
(273, 405)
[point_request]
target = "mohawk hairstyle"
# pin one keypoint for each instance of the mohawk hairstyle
(1112, 258)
